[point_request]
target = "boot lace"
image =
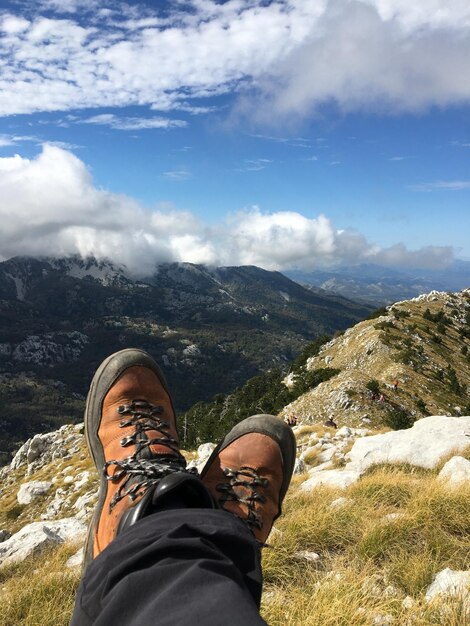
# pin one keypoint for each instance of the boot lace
(140, 474)
(244, 477)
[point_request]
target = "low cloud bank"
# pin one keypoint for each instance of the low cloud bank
(49, 206)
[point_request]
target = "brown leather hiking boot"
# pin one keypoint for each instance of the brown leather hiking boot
(250, 470)
(130, 428)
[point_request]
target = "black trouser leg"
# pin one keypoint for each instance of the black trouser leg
(177, 567)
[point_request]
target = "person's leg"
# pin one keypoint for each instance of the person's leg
(178, 567)
(159, 546)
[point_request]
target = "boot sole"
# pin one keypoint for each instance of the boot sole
(272, 427)
(104, 378)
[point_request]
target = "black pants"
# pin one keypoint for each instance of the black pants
(178, 567)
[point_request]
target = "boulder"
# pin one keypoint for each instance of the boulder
(424, 445)
(338, 479)
(456, 471)
(449, 582)
(32, 490)
(34, 537)
(76, 559)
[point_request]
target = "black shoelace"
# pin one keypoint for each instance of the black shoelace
(142, 473)
(248, 478)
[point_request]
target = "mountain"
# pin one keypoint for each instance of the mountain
(408, 361)
(210, 329)
(378, 285)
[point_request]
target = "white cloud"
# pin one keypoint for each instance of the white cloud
(177, 175)
(50, 206)
(442, 185)
(133, 123)
(393, 55)
(255, 165)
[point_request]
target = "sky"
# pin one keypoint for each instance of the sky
(288, 134)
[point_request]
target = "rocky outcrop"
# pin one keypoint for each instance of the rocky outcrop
(449, 582)
(32, 490)
(44, 448)
(33, 538)
(430, 440)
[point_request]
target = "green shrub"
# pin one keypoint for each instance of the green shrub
(373, 385)
(398, 419)
(378, 313)
(14, 511)
(453, 380)
(421, 406)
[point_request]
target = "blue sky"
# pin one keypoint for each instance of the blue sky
(287, 134)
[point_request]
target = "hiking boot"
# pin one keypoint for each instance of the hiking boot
(250, 470)
(130, 429)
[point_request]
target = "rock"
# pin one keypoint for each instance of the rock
(34, 537)
(449, 582)
(408, 603)
(299, 467)
(339, 479)
(340, 502)
(326, 455)
(30, 491)
(390, 591)
(55, 505)
(425, 444)
(321, 468)
(344, 431)
(86, 501)
(383, 620)
(76, 559)
(81, 480)
(4, 535)
(456, 471)
(274, 535)
(44, 448)
(204, 451)
(305, 555)
(392, 517)
(35, 448)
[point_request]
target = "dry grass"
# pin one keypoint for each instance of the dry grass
(39, 591)
(397, 529)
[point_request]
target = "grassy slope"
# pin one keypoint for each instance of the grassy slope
(368, 564)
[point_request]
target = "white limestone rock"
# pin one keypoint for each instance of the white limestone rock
(449, 582)
(32, 490)
(344, 431)
(34, 537)
(306, 555)
(81, 480)
(424, 445)
(338, 479)
(299, 467)
(408, 603)
(326, 455)
(76, 559)
(456, 471)
(46, 447)
(341, 502)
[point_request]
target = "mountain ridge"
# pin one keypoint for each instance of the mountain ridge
(209, 329)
